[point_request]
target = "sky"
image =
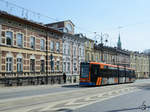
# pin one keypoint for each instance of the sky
(130, 18)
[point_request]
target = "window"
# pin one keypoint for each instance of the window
(19, 40)
(9, 64)
(52, 45)
(60, 29)
(80, 52)
(64, 67)
(57, 65)
(96, 58)
(32, 42)
(69, 27)
(75, 68)
(32, 65)
(87, 43)
(64, 49)
(52, 65)
(68, 67)
(68, 47)
(74, 51)
(19, 65)
(42, 66)
(105, 57)
(3, 33)
(42, 44)
(9, 38)
(88, 57)
(91, 44)
(92, 57)
(57, 46)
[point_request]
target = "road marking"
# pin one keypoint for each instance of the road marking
(78, 100)
(75, 103)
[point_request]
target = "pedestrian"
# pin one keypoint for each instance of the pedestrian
(64, 77)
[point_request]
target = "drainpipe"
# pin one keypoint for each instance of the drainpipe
(46, 56)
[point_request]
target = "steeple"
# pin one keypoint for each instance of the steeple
(119, 42)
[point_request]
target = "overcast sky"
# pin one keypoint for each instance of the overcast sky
(129, 17)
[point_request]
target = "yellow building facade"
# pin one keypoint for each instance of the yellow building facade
(89, 50)
(140, 62)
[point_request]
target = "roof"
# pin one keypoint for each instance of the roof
(61, 22)
(111, 65)
(23, 20)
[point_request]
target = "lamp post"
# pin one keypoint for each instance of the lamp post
(101, 37)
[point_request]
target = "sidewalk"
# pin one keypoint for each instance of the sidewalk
(33, 87)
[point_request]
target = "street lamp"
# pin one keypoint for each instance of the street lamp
(101, 37)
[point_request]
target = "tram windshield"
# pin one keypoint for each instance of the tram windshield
(84, 70)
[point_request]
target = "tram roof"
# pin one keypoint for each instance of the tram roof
(111, 65)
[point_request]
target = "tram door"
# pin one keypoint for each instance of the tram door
(95, 70)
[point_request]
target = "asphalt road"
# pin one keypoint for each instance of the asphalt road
(69, 98)
(132, 102)
(20, 92)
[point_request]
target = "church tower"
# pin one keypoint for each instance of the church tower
(119, 42)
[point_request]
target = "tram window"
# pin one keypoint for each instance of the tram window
(95, 70)
(105, 72)
(121, 73)
(84, 70)
(114, 73)
(127, 73)
(105, 67)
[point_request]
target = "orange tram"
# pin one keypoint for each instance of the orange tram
(97, 74)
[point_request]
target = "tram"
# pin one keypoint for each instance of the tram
(97, 74)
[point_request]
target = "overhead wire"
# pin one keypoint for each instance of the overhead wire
(25, 11)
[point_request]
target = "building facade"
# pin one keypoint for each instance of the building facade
(73, 53)
(28, 49)
(89, 50)
(140, 62)
(73, 48)
(111, 55)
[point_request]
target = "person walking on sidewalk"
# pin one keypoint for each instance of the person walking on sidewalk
(64, 77)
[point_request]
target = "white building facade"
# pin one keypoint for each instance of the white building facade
(73, 49)
(73, 53)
